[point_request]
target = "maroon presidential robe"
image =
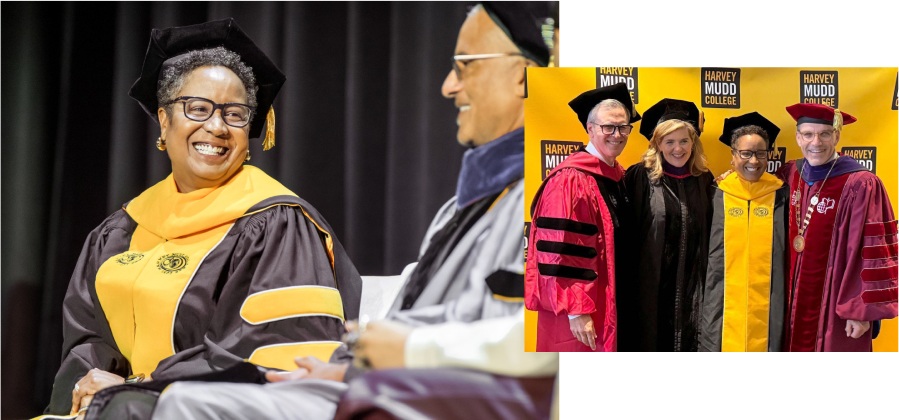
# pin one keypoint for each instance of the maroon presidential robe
(848, 268)
(571, 267)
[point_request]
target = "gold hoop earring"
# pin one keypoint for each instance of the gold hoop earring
(160, 143)
(248, 157)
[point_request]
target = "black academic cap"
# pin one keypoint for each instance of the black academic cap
(585, 102)
(671, 109)
(752, 118)
(172, 42)
(522, 21)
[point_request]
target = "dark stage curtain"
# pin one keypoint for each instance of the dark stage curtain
(363, 134)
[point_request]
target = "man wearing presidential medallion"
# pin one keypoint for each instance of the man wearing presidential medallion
(843, 265)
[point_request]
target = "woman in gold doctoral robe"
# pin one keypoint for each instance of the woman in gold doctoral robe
(743, 307)
(218, 262)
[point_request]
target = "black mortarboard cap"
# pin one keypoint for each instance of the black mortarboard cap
(752, 118)
(523, 21)
(172, 42)
(585, 102)
(671, 109)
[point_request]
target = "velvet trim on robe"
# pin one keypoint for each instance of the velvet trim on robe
(745, 290)
(847, 270)
(571, 270)
(271, 247)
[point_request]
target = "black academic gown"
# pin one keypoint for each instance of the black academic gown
(281, 244)
(659, 304)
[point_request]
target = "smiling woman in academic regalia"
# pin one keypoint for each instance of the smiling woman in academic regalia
(670, 193)
(743, 303)
(218, 262)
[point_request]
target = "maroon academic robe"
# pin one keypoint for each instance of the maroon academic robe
(848, 268)
(571, 267)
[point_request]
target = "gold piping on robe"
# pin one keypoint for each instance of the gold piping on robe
(501, 195)
(329, 244)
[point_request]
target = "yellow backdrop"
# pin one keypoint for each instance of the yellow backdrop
(869, 94)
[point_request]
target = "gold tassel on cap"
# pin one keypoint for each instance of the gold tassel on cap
(269, 141)
(837, 120)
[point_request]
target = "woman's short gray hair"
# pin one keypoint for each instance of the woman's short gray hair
(173, 77)
(608, 104)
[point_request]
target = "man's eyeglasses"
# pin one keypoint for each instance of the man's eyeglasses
(608, 129)
(201, 109)
(460, 61)
(808, 136)
(747, 154)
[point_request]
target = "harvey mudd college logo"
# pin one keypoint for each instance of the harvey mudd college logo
(720, 88)
(553, 152)
(776, 159)
(866, 156)
(608, 76)
(819, 87)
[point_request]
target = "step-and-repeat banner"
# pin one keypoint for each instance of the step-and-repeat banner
(552, 130)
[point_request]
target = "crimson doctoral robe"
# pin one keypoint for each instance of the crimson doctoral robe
(848, 268)
(571, 269)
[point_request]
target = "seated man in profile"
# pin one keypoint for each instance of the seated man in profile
(462, 306)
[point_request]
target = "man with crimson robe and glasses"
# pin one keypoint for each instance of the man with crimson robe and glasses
(579, 223)
(843, 266)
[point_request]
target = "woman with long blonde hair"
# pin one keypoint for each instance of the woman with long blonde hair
(670, 190)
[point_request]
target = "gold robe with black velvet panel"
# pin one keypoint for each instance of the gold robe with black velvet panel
(183, 284)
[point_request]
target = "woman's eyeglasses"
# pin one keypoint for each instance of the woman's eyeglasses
(747, 154)
(201, 109)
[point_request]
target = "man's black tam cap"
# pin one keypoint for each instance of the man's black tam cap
(169, 43)
(752, 118)
(671, 109)
(523, 21)
(585, 102)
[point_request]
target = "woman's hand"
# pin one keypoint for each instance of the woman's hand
(724, 175)
(92, 383)
(382, 344)
(310, 368)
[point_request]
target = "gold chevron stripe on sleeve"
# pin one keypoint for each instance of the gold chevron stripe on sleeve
(280, 356)
(289, 302)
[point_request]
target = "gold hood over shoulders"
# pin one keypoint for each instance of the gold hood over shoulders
(169, 214)
(745, 252)
(749, 191)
